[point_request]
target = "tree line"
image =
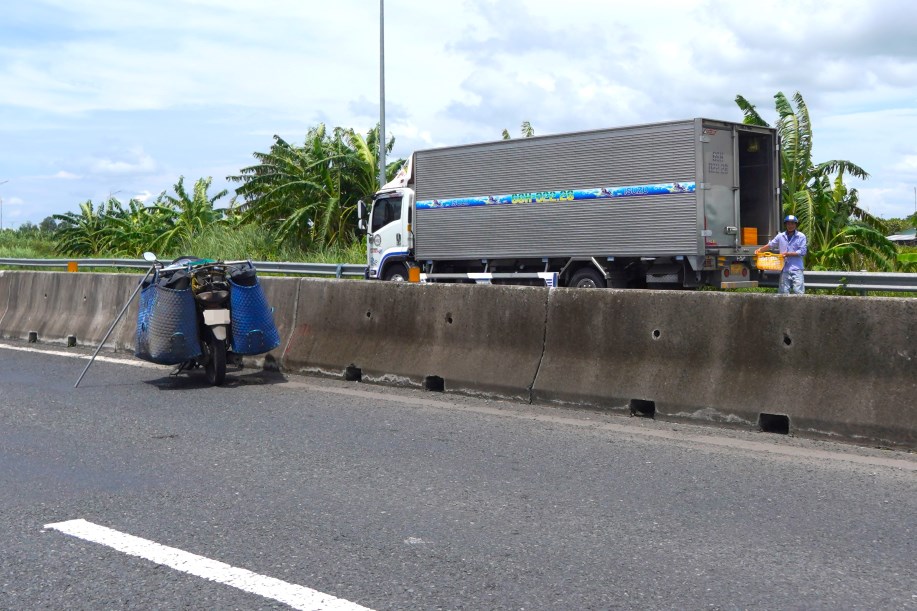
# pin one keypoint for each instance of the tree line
(306, 195)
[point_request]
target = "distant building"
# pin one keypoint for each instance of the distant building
(905, 238)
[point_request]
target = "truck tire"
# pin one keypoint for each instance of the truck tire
(587, 278)
(396, 272)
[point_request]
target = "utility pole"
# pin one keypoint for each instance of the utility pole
(382, 180)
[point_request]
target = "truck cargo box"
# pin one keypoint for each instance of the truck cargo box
(684, 188)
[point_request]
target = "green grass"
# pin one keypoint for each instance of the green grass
(247, 242)
(14, 245)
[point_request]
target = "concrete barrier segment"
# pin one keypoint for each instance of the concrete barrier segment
(832, 366)
(6, 279)
(58, 304)
(476, 339)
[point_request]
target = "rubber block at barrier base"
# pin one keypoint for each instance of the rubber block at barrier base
(58, 304)
(833, 366)
(484, 339)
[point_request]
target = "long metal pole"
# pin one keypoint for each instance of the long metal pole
(382, 180)
(112, 327)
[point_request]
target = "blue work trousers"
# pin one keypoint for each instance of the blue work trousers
(791, 281)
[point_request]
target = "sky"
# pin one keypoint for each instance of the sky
(115, 98)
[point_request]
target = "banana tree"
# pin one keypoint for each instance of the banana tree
(841, 234)
(188, 215)
(82, 234)
(308, 193)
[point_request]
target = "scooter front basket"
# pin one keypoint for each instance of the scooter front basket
(167, 327)
(253, 328)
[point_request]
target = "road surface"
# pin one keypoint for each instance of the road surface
(139, 490)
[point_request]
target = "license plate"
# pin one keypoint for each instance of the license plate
(735, 269)
(216, 317)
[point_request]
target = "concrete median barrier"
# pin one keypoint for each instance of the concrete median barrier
(5, 280)
(841, 367)
(477, 339)
(828, 366)
(57, 305)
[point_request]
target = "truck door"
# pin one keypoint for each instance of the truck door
(721, 187)
(388, 240)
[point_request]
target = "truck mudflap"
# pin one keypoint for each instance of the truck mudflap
(550, 279)
(742, 284)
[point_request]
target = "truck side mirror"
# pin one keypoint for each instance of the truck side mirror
(361, 215)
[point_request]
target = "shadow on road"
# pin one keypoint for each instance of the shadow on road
(196, 379)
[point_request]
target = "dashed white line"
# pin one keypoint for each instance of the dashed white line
(296, 596)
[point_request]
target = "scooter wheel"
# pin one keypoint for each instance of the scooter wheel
(216, 363)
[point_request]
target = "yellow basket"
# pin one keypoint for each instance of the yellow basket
(769, 261)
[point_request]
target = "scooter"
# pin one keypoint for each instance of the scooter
(199, 313)
(210, 287)
(165, 333)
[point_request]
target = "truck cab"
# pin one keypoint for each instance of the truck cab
(389, 239)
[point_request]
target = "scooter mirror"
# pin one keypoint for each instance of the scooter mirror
(150, 257)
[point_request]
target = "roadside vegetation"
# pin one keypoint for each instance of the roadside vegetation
(841, 235)
(297, 202)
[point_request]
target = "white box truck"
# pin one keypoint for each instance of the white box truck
(675, 204)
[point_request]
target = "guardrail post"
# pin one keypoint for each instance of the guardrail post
(339, 271)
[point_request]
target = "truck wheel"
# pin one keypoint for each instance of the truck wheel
(587, 278)
(397, 272)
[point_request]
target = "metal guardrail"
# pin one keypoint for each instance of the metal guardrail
(853, 281)
(338, 270)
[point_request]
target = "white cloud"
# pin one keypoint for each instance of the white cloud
(143, 196)
(134, 162)
(908, 164)
(100, 86)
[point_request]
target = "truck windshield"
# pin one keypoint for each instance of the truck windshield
(384, 212)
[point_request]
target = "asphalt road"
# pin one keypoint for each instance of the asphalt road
(401, 499)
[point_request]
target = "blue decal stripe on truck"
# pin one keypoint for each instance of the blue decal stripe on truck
(560, 196)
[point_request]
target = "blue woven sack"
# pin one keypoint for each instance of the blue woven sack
(253, 328)
(167, 330)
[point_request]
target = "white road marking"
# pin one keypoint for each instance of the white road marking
(76, 355)
(298, 597)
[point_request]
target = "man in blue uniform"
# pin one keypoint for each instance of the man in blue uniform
(792, 244)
